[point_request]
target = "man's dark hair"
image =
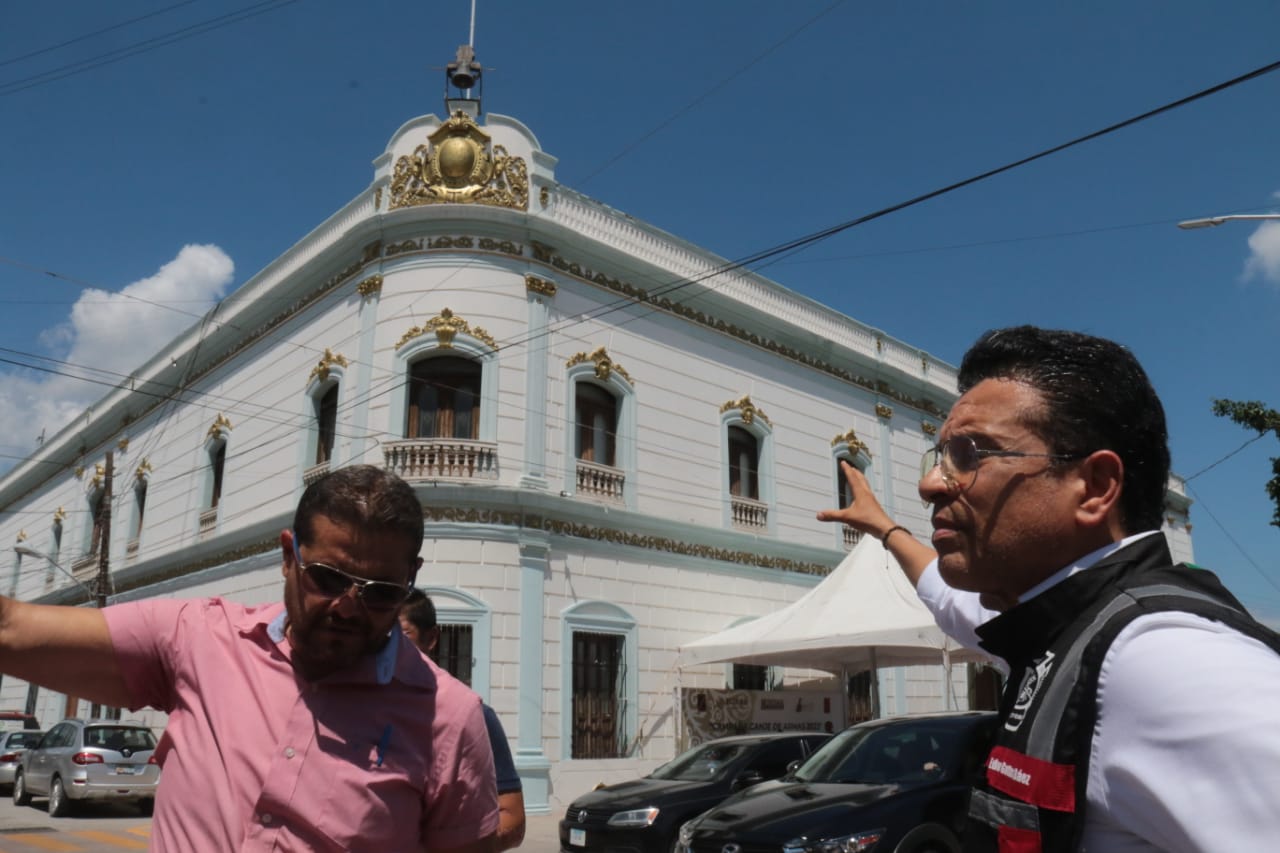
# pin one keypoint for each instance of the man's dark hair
(1097, 397)
(364, 496)
(419, 611)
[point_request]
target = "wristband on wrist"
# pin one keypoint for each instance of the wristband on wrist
(884, 540)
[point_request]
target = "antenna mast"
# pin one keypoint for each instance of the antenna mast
(463, 74)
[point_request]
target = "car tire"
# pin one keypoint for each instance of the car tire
(59, 803)
(147, 807)
(20, 795)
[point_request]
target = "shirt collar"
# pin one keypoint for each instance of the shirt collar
(385, 662)
(1085, 562)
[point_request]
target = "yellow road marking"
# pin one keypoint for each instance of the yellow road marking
(112, 838)
(42, 840)
(144, 831)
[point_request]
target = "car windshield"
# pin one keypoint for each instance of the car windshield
(21, 739)
(897, 754)
(700, 763)
(119, 737)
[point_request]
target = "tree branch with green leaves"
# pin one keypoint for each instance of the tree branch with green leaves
(1254, 415)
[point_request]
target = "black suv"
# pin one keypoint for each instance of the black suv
(898, 785)
(644, 815)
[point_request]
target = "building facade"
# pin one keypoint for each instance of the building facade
(619, 441)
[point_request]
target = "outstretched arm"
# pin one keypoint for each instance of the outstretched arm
(67, 649)
(865, 513)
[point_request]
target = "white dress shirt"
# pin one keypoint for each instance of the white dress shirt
(1186, 750)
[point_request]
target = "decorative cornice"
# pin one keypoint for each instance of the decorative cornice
(22, 536)
(220, 425)
(604, 364)
(320, 372)
(851, 439)
(370, 286)
(539, 285)
(451, 243)
(615, 536)
(884, 411)
(458, 164)
(928, 428)
(747, 409)
(546, 254)
(59, 515)
(446, 327)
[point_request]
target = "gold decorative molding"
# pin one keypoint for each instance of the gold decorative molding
(377, 199)
(320, 372)
(604, 364)
(747, 409)
(458, 164)
(850, 438)
(548, 255)
(884, 411)
(143, 471)
(616, 536)
(59, 515)
(544, 196)
(78, 471)
(220, 425)
(22, 536)
(539, 285)
(99, 473)
(446, 327)
(370, 286)
(123, 444)
(928, 428)
(463, 241)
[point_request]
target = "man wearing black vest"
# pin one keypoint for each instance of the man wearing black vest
(1140, 712)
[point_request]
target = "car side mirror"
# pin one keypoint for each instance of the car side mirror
(748, 778)
(793, 766)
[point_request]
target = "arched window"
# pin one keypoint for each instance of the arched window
(597, 424)
(600, 439)
(744, 464)
(326, 423)
(444, 398)
(847, 447)
(747, 460)
(600, 680)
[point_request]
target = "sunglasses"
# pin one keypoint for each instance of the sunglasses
(335, 583)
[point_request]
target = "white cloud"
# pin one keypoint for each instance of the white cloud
(1264, 253)
(113, 332)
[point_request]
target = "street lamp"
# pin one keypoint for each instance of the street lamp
(27, 551)
(1210, 221)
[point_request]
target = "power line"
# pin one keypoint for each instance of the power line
(77, 39)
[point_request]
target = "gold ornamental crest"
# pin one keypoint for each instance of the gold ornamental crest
(458, 164)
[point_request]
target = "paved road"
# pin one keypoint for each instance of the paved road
(97, 828)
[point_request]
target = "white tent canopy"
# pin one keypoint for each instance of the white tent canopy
(863, 615)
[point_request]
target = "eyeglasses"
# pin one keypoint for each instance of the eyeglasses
(959, 458)
(334, 583)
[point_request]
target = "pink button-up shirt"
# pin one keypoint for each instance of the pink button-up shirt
(389, 756)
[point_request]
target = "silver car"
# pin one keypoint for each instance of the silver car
(90, 760)
(12, 745)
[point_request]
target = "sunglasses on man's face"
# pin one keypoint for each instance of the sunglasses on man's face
(334, 583)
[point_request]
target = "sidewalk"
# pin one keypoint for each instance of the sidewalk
(541, 833)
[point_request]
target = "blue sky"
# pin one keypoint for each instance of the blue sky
(155, 184)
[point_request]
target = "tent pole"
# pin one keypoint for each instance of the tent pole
(947, 704)
(875, 686)
(844, 698)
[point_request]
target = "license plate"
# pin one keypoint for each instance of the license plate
(127, 770)
(578, 837)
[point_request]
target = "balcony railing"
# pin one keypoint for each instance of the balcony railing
(315, 472)
(417, 459)
(851, 536)
(749, 513)
(603, 482)
(208, 521)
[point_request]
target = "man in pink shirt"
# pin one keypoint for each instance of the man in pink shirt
(312, 725)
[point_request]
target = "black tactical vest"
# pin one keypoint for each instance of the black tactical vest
(1031, 797)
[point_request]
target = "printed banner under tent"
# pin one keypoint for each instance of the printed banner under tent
(707, 714)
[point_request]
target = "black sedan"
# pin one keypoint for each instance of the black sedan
(643, 816)
(896, 785)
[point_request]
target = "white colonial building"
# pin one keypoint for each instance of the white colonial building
(618, 439)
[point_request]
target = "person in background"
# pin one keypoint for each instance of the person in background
(419, 623)
(309, 724)
(1140, 710)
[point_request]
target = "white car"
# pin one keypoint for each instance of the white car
(90, 760)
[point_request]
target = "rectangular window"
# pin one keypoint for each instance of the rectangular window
(747, 676)
(597, 424)
(598, 678)
(744, 462)
(139, 508)
(327, 424)
(217, 461)
(453, 651)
